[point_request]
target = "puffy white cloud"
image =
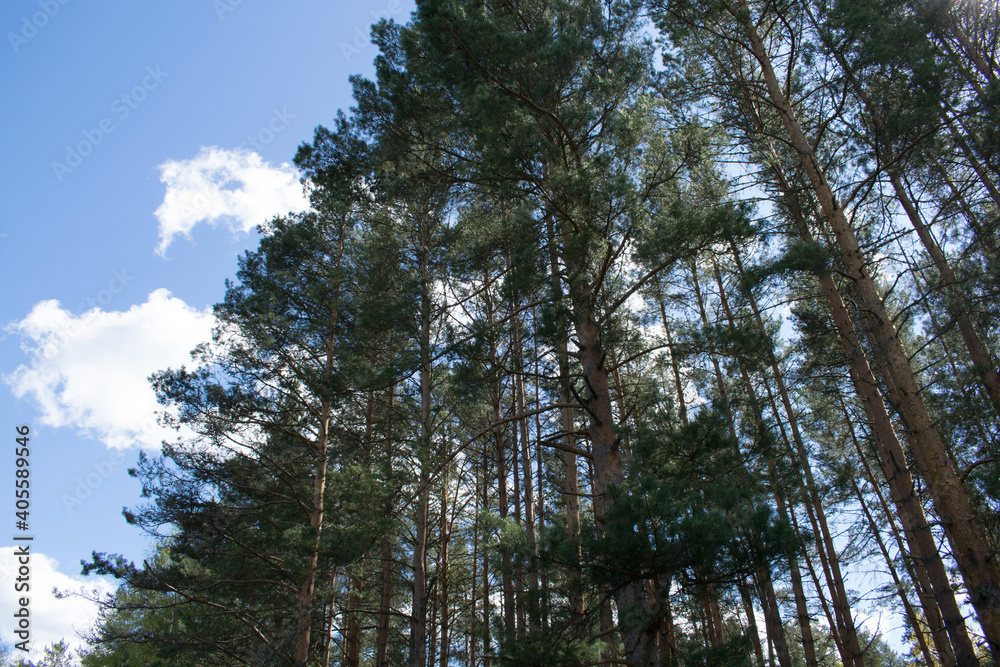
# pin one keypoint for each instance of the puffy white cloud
(218, 186)
(91, 370)
(52, 618)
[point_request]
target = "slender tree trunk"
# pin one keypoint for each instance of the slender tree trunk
(772, 617)
(474, 600)
(352, 623)
(675, 366)
(823, 603)
(352, 619)
(751, 622)
(530, 606)
(977, 166)
(984, 237)
(515, 469)
(983, 363)
(433, 604)
(487, 641)
(539, 475)
(305, 597)
(418, 622)
(385, 602)
(304, 603)
(947, 27)
(385, 594)
(503, 502)
(507, 584)
(720, 381)
(572, 488)
(798, 591)
(329, 613)
(444, 570)
(529, 506)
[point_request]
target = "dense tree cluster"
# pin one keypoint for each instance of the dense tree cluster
(516, 389)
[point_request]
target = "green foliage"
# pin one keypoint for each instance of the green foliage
(735, 651)
(689, 511)
(799, 257)
(554, 648)
(878, 653)
(683, 226)
(55, 655)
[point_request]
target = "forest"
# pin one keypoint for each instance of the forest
(619, 332)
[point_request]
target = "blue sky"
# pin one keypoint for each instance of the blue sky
(141, 144)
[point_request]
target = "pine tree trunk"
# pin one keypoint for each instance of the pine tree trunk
(823, 602)
(751, 622)
(329, 615)
(540, 476)
(471, 633)
(974, 162)
(946, 26)
(798, 591)
(984, 238)
(487, 641)
(772, 617)
(304, 603)
(496, 398)
(529, 501)
(385, 593)
(444, 570)
(305, 597)
(719, 378)
(674, 364)
(639, 642)
(507, 584)
(983, 363)
(352, 624)
(418, 622)
(572, 487)
(516, 492)
(385, 601)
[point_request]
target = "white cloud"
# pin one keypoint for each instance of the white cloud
(52, 619)
(218, 186)
(90, 370)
